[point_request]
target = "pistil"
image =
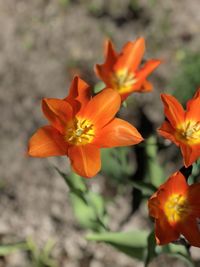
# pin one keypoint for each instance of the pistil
(176, 208)
(189, 132)
(79, 132)
(123, 80)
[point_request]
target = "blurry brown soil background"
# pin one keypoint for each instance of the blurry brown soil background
(43, 44)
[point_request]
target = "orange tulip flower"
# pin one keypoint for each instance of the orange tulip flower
(176, 209)
(183, 127)
(122, 72)
(80, 126)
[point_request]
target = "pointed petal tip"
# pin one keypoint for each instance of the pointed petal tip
(107, 42)
(85, 160)
(140, 40)
(157, 62)
(164, 97)
(46, 142)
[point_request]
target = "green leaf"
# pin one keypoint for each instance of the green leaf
(91, 213)
(11, 248)
(184, 258)
(154, 172)
(194, 177)
(187, 79)
(89, 208)
(177, 251)
(151, 248)
(41, 257)
(73, 180)
(65, 3)
(131, 243)
(99, 87)
(115, 163)
(124, 104)
(147, 189)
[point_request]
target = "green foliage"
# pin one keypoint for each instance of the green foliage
(154, 172)
(194, 177)
(95, 8)
(8, 249)
(74, 182)
(134, 5)
(131, 243)
(151, 248)
(187, 79)
(38, 258)
(177, 251)
(99, 87)
(64, 3)
(90, 213)
(89, 207)
(41, 257)
(174, 250)
(147, 189)
(116, 163)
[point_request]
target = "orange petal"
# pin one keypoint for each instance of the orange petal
(154, 206)
(57, 111)
(191, 230)
(79, 94)
(118, 133)
(187, 154)
(173, 110)
(164, 232)
(47, 142)
(147, 69)
(194, 199)
(190, 153)
(104, 71)
(193, 107)
(102, 108)
(110, 54)
(168, 132)
(175, 184)
(103, 74)
(85, 160)
(146, 86)
(131, 55)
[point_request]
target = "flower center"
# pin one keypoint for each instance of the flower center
(189, 132)
(123, 81)
(79, 132)
(176, 208)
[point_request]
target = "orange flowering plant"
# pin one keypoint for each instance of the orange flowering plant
(80, 125)
(183, 126)
(122, 71)
(176, 210)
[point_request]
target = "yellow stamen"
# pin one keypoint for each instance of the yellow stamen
(189, 132)
(122, 80)
(176, 208)
(79, 132)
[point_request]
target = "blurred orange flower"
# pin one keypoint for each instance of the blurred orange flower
(183, 127)
(176, 209)
(121, 71)
(80, 126)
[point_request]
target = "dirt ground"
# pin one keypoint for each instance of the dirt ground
(43, 44)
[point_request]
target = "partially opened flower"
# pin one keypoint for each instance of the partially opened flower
(80, 126)
(176, 209)
(122, 71)
(183, 127)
